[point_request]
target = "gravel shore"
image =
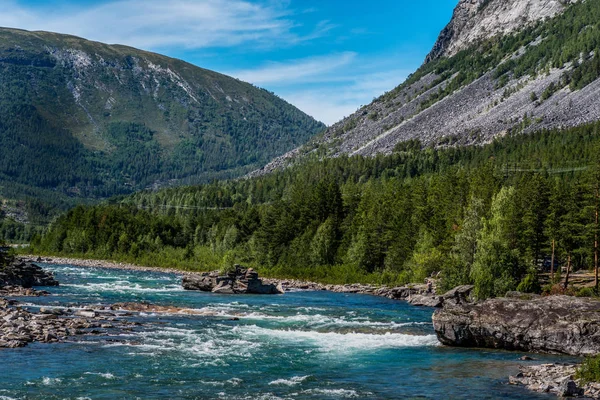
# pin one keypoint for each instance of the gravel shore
(79, 262)
(412, 293)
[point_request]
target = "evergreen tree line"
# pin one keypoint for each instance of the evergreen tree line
(490, 215)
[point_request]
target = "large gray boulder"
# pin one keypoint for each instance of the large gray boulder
(554, 324)
(426, 300)
(459, 295)
(240, 281)
(204, 282)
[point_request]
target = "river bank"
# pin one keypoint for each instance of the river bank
(90, 263)
(20, 326)
(415, 294)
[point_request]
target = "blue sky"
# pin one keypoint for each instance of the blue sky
(327, 57)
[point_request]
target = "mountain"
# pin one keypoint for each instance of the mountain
(477, 20)
(82, 119)
(500, 67)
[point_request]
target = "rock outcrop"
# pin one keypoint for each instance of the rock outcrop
(458, 295)
(240, 281)
(558, 379)
(26, 274)
(476, 20)
(554, 324)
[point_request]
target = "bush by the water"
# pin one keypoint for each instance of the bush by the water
(587, 292)
(589, 371)
(530, 284)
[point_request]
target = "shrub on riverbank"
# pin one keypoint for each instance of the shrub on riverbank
(589, 371)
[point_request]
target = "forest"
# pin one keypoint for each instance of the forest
(490, 215)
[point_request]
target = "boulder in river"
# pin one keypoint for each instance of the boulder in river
(554, 324)
(240, 281)
(26, 274)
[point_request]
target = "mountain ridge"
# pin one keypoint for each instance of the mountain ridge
(476, 20)
(119, 119)
(542, 76)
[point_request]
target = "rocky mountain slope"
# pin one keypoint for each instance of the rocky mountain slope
(86, 119)
(476, 20)
(500, 67)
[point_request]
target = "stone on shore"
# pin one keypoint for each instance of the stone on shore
(558, 379)
(554, 324)
(19, 327)
(424, 300)
(459, 295)
(86, 313)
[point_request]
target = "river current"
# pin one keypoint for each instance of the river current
(301, 345)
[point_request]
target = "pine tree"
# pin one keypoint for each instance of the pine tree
(535, 204)
(5, 254)
(573, 230)
(552, 224)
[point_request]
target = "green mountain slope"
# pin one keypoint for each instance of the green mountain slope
(81, 119)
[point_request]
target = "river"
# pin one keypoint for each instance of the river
(301, 345)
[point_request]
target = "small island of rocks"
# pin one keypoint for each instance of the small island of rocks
(237, 281)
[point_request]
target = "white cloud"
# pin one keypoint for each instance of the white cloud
(153, 24)
(322, 105)
(327, 87)
(296, 71)
(341, 98)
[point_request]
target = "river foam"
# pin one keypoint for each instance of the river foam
(124, 287)
(338, 342)
(293, 381)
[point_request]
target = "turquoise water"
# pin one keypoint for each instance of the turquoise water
(301, 345)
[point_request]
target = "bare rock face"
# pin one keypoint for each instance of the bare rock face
(476, 20)
(555, 324)
(424, 300)
(240, 281)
